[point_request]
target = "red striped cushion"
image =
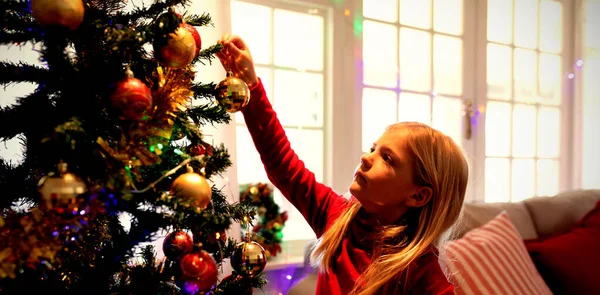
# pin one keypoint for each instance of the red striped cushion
(492, 259)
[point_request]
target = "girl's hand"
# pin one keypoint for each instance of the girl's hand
(236, 58)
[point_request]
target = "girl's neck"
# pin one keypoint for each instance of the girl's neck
(383, 217)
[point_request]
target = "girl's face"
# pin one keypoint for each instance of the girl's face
(384, 180)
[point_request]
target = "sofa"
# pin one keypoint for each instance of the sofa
(542, 223)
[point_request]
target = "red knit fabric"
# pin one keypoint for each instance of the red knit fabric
(320, 206)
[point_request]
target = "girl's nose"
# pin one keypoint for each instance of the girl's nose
(366, 160)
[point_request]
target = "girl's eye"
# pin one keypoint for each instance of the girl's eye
(372, 149)
(387, 158)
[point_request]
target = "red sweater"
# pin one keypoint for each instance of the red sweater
(320, 206)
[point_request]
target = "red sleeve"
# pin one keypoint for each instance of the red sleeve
(315, 201)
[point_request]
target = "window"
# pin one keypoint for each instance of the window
(413, 66)
(290, 61)
(525, 108)
(491, 74)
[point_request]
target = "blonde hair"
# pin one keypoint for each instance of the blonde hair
(438, 164)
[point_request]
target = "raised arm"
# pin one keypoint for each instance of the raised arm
(285, 170)
(315, 201)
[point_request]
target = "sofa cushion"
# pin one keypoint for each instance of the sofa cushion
(569, 262)
(476, 214)
(558, 214)
(492, 259)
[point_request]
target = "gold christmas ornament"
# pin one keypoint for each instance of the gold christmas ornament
(179, 50)
(192, 187)
(249, 258)
(59, 192)
(233, 93)
(65, 13)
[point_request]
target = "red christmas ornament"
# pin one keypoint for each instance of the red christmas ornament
(132, 97)
(176, 244)
(198, 272)
(65, 13)
(179, 50)
(201, 149)
(196, 36)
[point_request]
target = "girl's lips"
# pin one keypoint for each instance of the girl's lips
(359, 176)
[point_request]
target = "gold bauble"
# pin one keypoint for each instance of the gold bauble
(248, 259)
(192, 187)
(65, 13)
(59, 191)
(233, 93)
(179, 50)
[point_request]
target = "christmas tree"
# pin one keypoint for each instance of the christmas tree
(110, 130)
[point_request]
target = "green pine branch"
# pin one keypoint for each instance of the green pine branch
(196, 20)
(16, 119)
(207, 54)
(204, 90)
(11, 72)
(204, 114)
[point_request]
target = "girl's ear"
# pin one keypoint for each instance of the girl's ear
(421, 198)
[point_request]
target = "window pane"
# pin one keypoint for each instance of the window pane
(447, 65)
(415, 59)
(499, 25)
(547, 177)
(448, 16)
(525, 75)
(448, 118)
(548, 145)
(497, 180)
(591, 24)
(524, 124)
(499, 71)
(497, 129)
(254, 35)
(414, 107)
(298, 46)
(526, 23)
(298, 98)
(550, 79)
(378, 111)
(523, 179)
(266, 76)
(296, 227)
(416, 13)
(381, 10)
(308, 144)
(380, 58)
(251, 169)
(551, 26)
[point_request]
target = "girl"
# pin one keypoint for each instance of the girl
(406, 193)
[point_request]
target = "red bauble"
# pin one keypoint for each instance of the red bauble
(195, 34)
(176, 244)
(179, 50)
(201, 149)
(198, 272)
(64, 13)
(132, 97)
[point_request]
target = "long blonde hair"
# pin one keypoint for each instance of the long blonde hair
(440, 165)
